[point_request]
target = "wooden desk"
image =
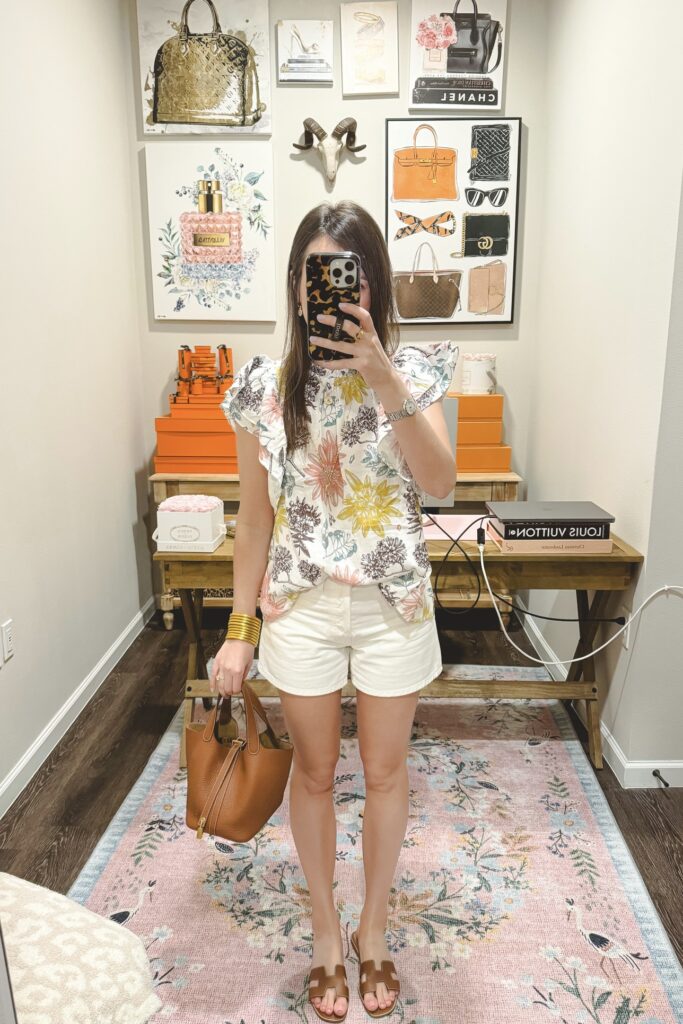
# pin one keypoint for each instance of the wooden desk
(471, 491)
(602, 574)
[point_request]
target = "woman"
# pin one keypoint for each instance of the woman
(329, 531)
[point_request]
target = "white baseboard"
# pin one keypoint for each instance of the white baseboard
(631, 774)
(22, 773)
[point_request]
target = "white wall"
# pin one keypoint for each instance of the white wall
(74, 560)
(607, 254)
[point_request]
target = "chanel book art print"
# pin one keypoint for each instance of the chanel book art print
(211, 230)
(451, 217)
(205, 66)
(457, 54)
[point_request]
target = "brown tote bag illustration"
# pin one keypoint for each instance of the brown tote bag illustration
(425, 172)
(486, 292)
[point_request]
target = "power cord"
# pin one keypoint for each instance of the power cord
(481, 541)
(481, 536)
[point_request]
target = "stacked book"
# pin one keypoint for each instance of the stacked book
(549, 527)
(196, 436)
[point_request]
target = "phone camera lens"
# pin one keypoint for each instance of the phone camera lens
(349, 279)
(349, 265)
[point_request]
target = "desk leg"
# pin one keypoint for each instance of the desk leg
(192, 602)
(578, 669)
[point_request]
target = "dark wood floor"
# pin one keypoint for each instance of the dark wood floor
(50, 831)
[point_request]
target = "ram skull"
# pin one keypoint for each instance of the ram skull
(330, 146)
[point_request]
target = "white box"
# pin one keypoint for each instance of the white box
(189, 531)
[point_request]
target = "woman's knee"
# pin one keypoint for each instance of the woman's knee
(316, 774)
(383, 774)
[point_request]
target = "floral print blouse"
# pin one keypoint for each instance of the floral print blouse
(346, 505)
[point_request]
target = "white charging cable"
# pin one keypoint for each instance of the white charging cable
(583, 657)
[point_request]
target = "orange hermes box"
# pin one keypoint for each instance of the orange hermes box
(195, 437)
(480, 458)
(194, 464)
(478, 407)
(480, 431)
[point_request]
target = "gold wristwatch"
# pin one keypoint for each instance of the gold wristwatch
(409, 408)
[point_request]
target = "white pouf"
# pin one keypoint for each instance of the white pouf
(67, 964)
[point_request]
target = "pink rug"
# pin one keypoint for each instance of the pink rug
(516, 898)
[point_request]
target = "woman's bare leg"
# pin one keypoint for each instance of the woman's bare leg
(384, 728)
(314, 727)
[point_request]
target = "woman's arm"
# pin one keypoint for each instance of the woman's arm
(254, 528)
(423, 437)
(253, 532)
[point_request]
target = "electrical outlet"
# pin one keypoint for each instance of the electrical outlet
(7, 630)
(626, 635)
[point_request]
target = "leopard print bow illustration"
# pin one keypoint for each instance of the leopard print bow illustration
(442, 224)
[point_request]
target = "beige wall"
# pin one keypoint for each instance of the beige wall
(74, 559)
(88, 369)
(610, 221)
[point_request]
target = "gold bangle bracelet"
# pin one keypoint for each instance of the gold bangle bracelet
(244, 627)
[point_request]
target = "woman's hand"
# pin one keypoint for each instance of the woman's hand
(230, 666)
(368, 356)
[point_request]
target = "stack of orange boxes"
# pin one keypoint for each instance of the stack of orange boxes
(480, 447)
(196, 437)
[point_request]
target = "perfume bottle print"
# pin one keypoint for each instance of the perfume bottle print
(210, 235)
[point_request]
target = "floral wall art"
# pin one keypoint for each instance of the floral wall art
(211, 230)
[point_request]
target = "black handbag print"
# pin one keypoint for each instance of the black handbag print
(486, 234)
(490, 152)
(476, 42)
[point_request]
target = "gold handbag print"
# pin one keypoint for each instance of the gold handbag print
(425, 172)
(486, 291)
(205, 78)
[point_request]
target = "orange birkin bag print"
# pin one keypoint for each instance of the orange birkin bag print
(425, 172)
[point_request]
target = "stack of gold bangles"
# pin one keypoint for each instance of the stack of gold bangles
(244, 627)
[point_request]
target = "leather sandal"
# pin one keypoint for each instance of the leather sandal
(320, 981)
(369, 977)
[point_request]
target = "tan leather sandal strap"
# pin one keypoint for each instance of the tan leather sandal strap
(386, 975)
(322, 981)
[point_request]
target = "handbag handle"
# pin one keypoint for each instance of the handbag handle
(419, 128)
(475, 18)
(251, 705)
(184, 31)
(416, 260)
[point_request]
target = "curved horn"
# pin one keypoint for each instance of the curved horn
(311, 128)
(348, 127)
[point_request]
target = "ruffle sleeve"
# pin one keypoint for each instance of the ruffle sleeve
(252, 402)
(428, 372)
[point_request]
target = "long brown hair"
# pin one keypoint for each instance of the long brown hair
(350, 227)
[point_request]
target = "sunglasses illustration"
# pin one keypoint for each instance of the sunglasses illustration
(476, 196)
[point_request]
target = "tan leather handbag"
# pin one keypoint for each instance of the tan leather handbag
(234, 787)
(486, 291)
(427, 293)
(205, 78)
(425, 172)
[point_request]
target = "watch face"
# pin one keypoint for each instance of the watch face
(411, 405)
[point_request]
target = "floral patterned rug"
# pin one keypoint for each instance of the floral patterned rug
(516, 898)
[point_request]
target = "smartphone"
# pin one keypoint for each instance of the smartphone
(331, 278)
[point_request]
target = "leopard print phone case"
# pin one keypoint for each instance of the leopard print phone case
(331, 278)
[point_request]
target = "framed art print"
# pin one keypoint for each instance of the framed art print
(452, 200)
(305, 51)
(211, 229)
(457, 54)
(205, 66)
(370, 48)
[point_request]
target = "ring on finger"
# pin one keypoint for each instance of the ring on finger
(360, 334)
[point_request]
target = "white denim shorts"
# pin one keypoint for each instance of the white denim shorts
(308, 649)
